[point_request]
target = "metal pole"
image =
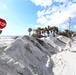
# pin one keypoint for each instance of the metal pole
(69, 22)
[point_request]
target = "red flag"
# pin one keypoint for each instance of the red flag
(70, 44)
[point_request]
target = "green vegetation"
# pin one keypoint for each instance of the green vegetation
(29, 30)
(44, 32)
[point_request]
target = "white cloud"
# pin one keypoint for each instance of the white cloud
(72, 10)
(48, 11)
(57, 15)
(42, 20)
(65, 26)
(36, 26)
(54, 9)
(40, 13)
(42, 2)
(52, 19)
(56, 0)
(64, 1)
(75, 26)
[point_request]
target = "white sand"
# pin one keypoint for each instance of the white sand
(65, 62)
(27, 56)
(5, 41)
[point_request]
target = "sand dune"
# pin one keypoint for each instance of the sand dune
(31, 56)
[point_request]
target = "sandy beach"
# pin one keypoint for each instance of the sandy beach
(30, 56)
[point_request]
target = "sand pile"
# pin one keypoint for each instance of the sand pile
(32, 56)
(27, 56)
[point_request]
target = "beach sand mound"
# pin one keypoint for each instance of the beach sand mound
(32, 56)
(27, 56)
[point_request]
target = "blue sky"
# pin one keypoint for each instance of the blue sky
(23, 14)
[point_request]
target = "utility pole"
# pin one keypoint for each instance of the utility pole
(69, 22)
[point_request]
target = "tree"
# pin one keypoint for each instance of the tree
(48, 29)
(68, 33)
(45, 29)
(29, 30)
(38, 31)
(55, 30)
(51, 29)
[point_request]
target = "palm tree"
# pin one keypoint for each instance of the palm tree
(29, 30)
(55, 30)
(51, 29)
(0, 31)
(43, 31)
(48, 29)
(68, 33)
(38, 31)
